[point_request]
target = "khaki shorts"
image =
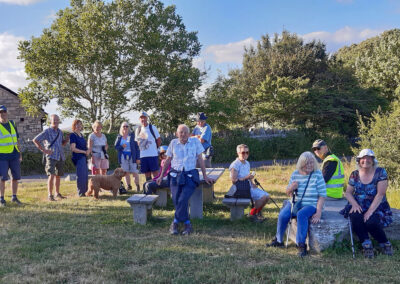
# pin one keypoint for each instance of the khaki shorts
(54, 167)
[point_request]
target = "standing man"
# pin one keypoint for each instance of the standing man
(203, 132)
(149, 140)
(10, 156)
(54, 155)
(332, 169)
(182, 154)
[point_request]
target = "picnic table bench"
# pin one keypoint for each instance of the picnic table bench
(196, 200)
(237, 206)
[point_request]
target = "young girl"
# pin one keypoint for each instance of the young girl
(150, 186)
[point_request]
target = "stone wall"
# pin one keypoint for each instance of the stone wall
(28, 126)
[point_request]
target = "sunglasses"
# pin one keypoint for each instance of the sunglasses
(244, 153)
(125, 126)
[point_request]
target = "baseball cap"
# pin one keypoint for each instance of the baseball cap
(318, 144)
(3, 108)
(366, 152)
(143, 113)
(201, 116)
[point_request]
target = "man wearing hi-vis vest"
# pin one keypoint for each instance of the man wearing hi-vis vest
(332, 169)
(10, 156)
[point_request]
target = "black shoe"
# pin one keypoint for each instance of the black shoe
(188, 229)
(255, 218)
(16, 201)
(368, 251)
(129, 187)
(2, 203)
(51, 198)
(173, 229)
(301, 249)
(82, 195)
(387, 249)
(60, 196)
(122, 189)
(274, 243)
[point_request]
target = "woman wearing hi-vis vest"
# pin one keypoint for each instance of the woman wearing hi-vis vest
(332, 169)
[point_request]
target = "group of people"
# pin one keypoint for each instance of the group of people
(367, 206)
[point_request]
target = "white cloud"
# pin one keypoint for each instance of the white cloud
(20, 2)
(341, 37)
(9, 52)
(230, 52)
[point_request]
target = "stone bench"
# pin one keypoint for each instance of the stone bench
(334, 227)
(142, 206)
(162, 196)
(237, 206)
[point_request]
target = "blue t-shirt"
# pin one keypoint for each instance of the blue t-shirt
(205, 133)
(127, 142)
(80, 143)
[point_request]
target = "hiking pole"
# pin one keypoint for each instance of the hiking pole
(351, 237)
(290, 218)
(258, 184)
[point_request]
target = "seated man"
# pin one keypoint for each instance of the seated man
(240, 171)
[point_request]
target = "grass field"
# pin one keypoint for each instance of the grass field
(79, 240)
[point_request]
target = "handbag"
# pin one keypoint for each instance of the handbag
(51, 144)
(297, 205)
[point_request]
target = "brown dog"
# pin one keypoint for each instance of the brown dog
(111, 182)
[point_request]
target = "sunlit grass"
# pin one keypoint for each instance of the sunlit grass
(86, 241)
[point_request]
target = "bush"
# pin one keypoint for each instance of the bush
(290, 146)
(381, 134)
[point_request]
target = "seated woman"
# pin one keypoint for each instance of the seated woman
(149, 187)
(128, 154)
(309, 186)
(368, 208)
(240, 171)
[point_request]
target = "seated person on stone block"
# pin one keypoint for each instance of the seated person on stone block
(240, 172)
(308, 184)
(150, 187)
(368, 208)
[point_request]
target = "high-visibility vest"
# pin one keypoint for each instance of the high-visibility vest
(8, 140)
(335, 186)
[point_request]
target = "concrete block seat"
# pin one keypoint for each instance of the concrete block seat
(334, 227)
(237, 206)
(162, 196)
(141, 205)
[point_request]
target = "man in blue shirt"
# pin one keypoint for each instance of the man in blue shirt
(182, 154)
(203, 132)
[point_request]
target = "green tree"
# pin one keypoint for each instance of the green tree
(376, 62)
(100, 60)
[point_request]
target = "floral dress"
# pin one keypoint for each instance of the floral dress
(364, 194)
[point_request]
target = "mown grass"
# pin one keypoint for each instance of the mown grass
(79, 240)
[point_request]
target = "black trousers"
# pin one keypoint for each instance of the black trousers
(372, 226)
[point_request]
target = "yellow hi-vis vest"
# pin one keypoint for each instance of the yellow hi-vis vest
(8, 140)
(335, 186)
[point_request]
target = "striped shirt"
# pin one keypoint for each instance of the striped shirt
(49, 135)
(315, 189)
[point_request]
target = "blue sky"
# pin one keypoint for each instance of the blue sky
(224, 27)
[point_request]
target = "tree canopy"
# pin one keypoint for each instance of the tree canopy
(102, 59)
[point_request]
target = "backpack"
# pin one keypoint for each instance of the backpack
(242, 191)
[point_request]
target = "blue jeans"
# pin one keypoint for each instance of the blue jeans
(180, 196)
(82, 175)
(303, 215)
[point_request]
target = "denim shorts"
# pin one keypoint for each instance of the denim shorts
(257, 193)
(15, 167)
(149, 164)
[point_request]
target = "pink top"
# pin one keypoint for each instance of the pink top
(162, 166)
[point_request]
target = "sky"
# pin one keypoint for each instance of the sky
(224, 28)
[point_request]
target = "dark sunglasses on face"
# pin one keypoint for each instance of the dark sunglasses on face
(125, 126)
(244, 153)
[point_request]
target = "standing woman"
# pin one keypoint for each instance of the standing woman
(128, 154)
(98, 148)
(368, 208)
(79, 152)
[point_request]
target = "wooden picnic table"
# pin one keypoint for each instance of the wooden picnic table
(204, 189)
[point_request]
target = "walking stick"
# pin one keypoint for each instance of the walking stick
(258, 184)
(351, 237)
(290, 218)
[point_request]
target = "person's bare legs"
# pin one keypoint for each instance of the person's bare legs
(128, 179)
(103, 172)
(50, 183)
(2, 187)
(57, 184)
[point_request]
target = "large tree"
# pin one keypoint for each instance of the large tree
(102, 59)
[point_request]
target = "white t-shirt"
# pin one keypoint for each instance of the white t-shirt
(243, 169)
(147, 143)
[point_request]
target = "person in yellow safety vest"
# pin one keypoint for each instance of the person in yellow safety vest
(332, 169)
(10, 156)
